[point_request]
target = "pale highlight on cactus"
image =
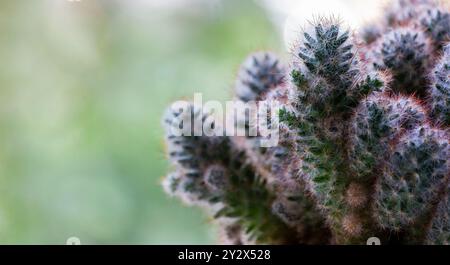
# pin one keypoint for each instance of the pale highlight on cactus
(364, 142)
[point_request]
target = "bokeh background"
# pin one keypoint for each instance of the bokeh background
(83, 85)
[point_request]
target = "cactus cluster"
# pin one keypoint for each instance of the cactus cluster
(364, 142)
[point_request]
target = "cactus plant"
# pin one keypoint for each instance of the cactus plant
(364, 143)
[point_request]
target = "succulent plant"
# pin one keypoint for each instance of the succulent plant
(363, 139)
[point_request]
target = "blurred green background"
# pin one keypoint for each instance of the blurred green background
(83, 86)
